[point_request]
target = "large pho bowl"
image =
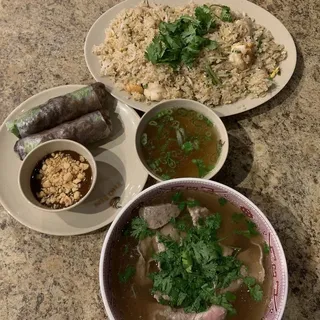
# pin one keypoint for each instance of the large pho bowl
(278, 263)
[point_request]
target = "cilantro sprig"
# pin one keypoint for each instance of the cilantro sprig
(202, 168)
(182, 203)
(266, 248)
(255, 290)
(181, 41)
(193, 270)
(226, 14)
(222, 201)
(187, 147)
(139, 229)
(251, 230)
(165, 176)
(238, 217)
(179, 224)
(128, 273)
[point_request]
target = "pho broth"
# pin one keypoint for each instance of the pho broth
(134, 301)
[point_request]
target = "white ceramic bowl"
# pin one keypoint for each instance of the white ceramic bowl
(278, 263)
(41, 151)
(218, 125)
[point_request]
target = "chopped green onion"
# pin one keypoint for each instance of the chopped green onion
(214, 78)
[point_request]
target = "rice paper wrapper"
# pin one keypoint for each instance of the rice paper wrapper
(60, 109)
(85, 130)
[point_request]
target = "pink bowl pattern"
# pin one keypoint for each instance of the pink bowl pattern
(278, 261)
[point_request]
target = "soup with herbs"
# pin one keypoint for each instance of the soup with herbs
(190, 256)
(180, 143)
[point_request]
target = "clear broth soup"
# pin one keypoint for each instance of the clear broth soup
(179, 143)
(135, 301)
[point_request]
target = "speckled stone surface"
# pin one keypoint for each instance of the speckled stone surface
(274, 160)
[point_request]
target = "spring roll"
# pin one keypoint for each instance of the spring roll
(87, 129)
(60, 109)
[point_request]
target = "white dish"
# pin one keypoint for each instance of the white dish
(120, 174)
(96, 36)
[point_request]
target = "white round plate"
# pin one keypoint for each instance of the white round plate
(96, 36)
(120, 174)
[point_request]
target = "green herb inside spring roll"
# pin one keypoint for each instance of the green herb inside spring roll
(60, 109)
(87, 129)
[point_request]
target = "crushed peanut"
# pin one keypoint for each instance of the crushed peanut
(61, 177)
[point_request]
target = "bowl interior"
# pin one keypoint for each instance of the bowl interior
(278, 262)
(219, 128)
(37, 155)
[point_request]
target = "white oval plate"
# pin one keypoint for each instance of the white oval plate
(281, 35)
(120, 174)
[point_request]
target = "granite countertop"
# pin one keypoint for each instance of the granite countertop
(274, 160)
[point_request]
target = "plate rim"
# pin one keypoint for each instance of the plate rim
(79, 231)
(218, 109)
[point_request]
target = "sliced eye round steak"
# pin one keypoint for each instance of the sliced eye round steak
(214, 313)
(146, 249)
(197, 213)
(253, 259)
(159, 215)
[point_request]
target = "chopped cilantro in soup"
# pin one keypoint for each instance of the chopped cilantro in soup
(191, 256)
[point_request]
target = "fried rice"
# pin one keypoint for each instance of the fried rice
(122, 58)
